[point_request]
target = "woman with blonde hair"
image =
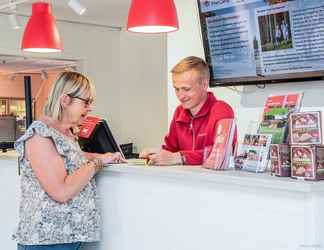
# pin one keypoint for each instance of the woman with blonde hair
(59, 202)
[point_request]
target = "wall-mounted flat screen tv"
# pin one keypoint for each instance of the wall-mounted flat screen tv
(262, 41)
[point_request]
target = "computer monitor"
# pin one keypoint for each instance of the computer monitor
(95, 137)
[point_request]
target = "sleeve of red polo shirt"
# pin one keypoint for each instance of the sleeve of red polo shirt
(171, 139)
(192, 157)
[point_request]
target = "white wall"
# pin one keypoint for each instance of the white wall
(14, 88)
(183, 43)
(128, 72)
(143, 89)
(248, 101)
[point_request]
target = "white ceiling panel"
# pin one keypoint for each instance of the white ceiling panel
(19, 64)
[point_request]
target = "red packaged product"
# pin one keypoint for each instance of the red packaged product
(303, 162)
(280, 160)
(305, 128)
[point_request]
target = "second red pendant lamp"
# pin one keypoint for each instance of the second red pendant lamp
(152, 16)
(41, 34)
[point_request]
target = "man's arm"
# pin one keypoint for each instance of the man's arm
(165, 158)
(192, 157)
(171, 139)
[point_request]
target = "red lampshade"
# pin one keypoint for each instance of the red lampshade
(152, 16)
(41, 34)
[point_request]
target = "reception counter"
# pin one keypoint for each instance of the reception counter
(189, 208)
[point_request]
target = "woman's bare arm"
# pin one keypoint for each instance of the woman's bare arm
(48, 166)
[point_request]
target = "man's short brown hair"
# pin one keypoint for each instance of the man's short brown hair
(192, 63)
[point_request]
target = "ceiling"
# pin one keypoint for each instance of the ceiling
(12, 64)
(107, 13)
(104, 12)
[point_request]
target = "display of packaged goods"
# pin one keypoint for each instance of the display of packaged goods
(275, 115)
(252, 154)
(319, 162)
(222, 150)
(280, 160)
(303, 162)
(305, 128)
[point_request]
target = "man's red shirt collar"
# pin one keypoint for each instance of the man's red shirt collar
(185, 115)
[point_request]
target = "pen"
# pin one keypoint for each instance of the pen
(148, 160)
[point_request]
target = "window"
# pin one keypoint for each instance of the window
(15, 107)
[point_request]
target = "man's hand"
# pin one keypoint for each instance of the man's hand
(165, 158)
(144, 154)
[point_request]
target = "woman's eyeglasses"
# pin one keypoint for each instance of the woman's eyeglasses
(87, 102)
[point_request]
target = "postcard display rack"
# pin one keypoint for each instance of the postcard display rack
(273, 134)
(293, 138)
(252, 154)
(276, 122)
(296, 150)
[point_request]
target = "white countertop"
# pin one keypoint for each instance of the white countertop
(232, 178)
(228, 177)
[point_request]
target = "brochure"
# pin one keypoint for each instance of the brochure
(275, 115)
(222, 150)
(252, 154)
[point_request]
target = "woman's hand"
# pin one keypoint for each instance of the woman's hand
(108, 158)
(97, 164)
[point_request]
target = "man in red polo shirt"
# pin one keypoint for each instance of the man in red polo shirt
(194, 121)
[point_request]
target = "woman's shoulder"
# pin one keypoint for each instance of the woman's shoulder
(41, 128)
(37, 127)
(38, 124)
(43, 132)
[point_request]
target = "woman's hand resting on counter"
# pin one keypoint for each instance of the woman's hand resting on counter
(106, 158)
(109, 158)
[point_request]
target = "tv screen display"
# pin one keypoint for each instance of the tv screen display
(95, 136)
(262, 41)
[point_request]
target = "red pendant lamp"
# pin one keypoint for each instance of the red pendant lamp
(41, 34)
(152, 16)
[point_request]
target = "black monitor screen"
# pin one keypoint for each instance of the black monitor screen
(262, 41)
(100, 139)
